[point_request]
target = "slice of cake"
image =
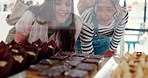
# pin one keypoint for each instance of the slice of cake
(76, 73)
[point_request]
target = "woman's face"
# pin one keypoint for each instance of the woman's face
(63, 9)
(105, 11)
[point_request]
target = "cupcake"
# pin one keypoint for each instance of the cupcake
(6, 62)
(19, 58)
(32, 54)
(38, 43)
(51, 49)
(43, 49)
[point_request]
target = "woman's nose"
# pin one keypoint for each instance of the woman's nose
(63, 7)
(103, 14)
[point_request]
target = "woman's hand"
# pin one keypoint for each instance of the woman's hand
(109, 54)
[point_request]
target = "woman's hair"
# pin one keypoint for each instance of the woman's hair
(66, 34)
(67, 38)
(116, 2)
(44, 14)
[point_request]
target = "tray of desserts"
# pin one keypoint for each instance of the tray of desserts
(16, 57)
(132, 66)
(65, 65)
(40, 60)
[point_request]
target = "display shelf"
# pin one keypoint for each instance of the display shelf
(104, 72)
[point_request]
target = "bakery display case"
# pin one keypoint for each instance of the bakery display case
(36, 61)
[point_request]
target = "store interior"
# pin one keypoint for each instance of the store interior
(135, 38)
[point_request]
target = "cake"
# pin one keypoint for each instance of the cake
(19, 58)
(98, 57)
(75, 58)
(90, 68)
(72, 63)
(6, 62)
(51, 49)
(76, 73)
(32, 54)
(57, 71)
(38, 43)
(93, 61)
(43, 49)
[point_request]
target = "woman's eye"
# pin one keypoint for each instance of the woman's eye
(110, 10)
(68, 4)
(99, 9)
(58, 2)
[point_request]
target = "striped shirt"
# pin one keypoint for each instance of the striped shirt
(87, 32)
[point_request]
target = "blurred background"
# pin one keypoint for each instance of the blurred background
(135, 38)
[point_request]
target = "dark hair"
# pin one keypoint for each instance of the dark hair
(44, 13)
(67, 35)
(67, 38)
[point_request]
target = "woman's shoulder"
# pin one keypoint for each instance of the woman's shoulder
(77, 20)
(28, 13)
(87, 12)
(87, 16)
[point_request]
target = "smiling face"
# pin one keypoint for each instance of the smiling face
(105, 11)
(63, 9)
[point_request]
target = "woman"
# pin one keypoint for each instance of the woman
(54, 16)
(103, 27)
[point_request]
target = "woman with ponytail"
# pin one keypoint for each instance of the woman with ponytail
(103, 27)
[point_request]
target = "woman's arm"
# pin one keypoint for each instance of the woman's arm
(19, 37)
(119, 31)
(86, 34)
(78, 24)
(23, 26)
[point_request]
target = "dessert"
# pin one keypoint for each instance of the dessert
(43, 49)
(19, 58)
(76, 73)
(51, 49)
(72, 63)
(132, 66)
(90, 68)
(93, 61)
(32, 54)
(6, 62)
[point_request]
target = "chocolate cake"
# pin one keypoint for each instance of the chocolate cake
(76, 73)
(6, 62)
(72, 63)
(93, 61)
(51, 49)
(43, 49)
(99, 57)
(55, 72)
(38, 67)
(32, 54)
(19, 58)
(75, 58)
(90, 68)
(38, 43)
(50, 62)
(58, 57)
